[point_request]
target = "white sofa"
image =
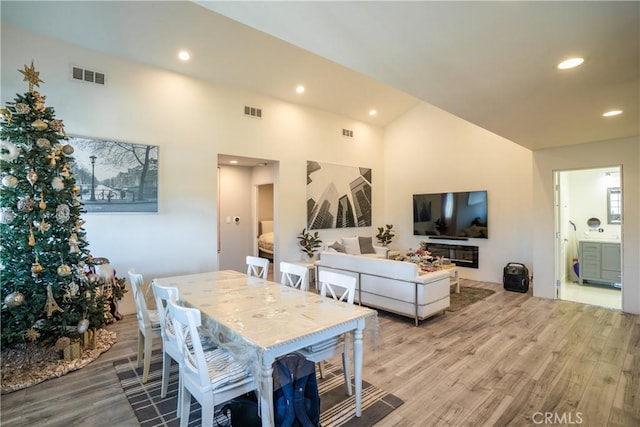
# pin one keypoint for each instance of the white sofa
(394, 286)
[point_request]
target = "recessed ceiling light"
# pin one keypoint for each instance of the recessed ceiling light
(612, 113)
(373, 112)
(233, 162)
(184, 55)
(570, 63)
(300, 89)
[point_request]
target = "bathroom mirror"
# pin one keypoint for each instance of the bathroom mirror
(614, 205)
(593, 223)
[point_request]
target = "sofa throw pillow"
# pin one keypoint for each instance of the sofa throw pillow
(366, 245)
(338, 247)
(351, 245)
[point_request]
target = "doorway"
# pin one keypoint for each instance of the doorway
(265, 223)
(589, 219)
(246, 198)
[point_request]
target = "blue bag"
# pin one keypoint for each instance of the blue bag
(295, 398)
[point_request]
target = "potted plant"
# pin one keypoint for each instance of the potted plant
(309, 242)
(385, 235)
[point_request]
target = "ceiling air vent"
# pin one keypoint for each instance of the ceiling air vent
(87, 75)
(253, 112)
(347, 133)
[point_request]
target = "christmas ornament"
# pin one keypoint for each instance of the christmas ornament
(32, 177)
(43, 143)
(8, 151)
(65, 171)
(36, 268)
(73, 244)
(6, 115)
(39, 104)
(32, 239)
(22, 108)
(62, 214)
(14, 299)
(64, 270)
(51, 305)
(57, 183)
(39, 125)
(56, 125)
(32, 76)
(83, 326)
(42, 226)
(70, 292)
(9, 181)
(87, 295)
(93, 278)
(25, 204)
(76, 190)
(42, 204)
(32, 334)
(7, 216)
(67, 149)
(53, 156)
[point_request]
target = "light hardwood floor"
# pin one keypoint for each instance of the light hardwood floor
(509, 360)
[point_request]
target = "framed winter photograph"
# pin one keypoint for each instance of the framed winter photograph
(114, 176)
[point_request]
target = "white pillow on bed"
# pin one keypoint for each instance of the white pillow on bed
(351, 245)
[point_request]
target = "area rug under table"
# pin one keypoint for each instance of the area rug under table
(337, 409)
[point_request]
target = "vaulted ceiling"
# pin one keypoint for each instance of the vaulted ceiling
(490, 63)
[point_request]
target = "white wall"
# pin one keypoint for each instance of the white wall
(588, 199)
(236, 200)
(429, 150)
(625, 152)
(192, 121)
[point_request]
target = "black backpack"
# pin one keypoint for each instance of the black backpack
(296, 401)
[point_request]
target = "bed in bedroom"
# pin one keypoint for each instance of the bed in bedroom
(265, 239)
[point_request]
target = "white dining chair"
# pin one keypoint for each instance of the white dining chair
(148, 323)
(211, 377)
(258, 267)
(294, 275)
(170, 346)
(340, 287)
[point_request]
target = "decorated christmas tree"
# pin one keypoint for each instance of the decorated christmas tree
(48, 284)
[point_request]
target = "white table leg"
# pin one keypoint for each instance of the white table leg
(357, 364)
(266, 397)
(456, 280)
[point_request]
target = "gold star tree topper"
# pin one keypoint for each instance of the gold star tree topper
(32, 76)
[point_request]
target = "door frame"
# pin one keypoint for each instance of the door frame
(560, 230)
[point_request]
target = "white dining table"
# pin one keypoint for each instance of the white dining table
(258, 321)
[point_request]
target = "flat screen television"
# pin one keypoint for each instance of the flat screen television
(454, 215)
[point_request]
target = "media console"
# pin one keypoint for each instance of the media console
(461, 255)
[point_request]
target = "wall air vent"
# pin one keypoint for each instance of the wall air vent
(253, 112)
(347, 133)
(87, 75)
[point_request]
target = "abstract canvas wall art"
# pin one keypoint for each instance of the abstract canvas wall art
(338, 196)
